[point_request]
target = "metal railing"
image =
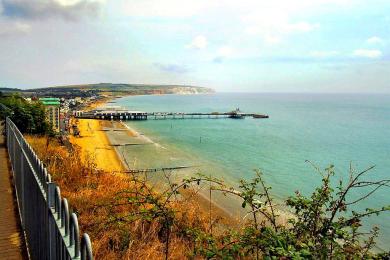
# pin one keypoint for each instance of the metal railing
(51, 230)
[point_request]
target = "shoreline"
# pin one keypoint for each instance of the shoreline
(95, 146)
(142, 137)
(95, 133)
(204, 201)
(228, 207)
(93, 140)
(199, 196)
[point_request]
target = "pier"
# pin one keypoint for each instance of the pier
(212, 115)
(123, 114)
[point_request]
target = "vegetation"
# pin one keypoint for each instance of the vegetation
(127, 218)
(28, 117)
(322, 227)
(124, 217)
(134, 89)
(88, 90)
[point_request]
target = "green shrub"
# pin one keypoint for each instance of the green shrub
(321, 226)
(28, 117)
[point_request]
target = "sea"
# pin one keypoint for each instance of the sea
(303, 132)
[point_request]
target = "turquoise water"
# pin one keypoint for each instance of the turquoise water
(325, 129)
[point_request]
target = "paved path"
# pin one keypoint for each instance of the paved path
(10, 235)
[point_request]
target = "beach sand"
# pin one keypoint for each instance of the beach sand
(98, 103)
(102, 140)
(94, 143)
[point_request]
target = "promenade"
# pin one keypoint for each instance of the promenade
(11, 246)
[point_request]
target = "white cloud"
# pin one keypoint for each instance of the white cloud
(271, 39)
(225, 51)
(365, 53)
(199, 42)
(168, 8)
(11, 28)
(274, 24)
(187, 8)
(277, 23)
(172, 68)
(301, 27)
(323, 54)
(75, 2)
(271, 21)
(39, 9)
(374, 40)
(274, 31)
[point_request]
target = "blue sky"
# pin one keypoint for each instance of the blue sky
(244, 46)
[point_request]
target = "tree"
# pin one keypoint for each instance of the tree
(28, 117)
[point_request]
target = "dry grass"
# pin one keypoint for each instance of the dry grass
(104, 204)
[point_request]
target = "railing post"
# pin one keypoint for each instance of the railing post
(65, 216)
(57, 202)
(50, 231)
(51, 194)
(21, 173)
(74, 239)
(86, 248)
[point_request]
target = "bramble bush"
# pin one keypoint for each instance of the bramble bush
(321, 226)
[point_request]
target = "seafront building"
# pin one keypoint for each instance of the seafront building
(52, 112)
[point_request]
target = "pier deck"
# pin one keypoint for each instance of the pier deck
(139, 115)
(212, 115)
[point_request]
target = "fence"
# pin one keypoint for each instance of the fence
(51, 231)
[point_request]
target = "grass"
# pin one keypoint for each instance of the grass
(123, 215)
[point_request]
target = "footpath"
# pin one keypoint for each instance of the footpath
(11, 246)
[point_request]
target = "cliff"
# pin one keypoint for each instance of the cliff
(119, 89)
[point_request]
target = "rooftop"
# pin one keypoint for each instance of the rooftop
(49, 101)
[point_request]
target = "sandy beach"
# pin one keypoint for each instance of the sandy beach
(95, 145)
(94, 142)
(100, 142)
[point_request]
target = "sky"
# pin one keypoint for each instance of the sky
(229, 45)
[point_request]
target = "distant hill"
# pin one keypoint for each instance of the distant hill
(108, 89)
(118, 89)
(10, 90)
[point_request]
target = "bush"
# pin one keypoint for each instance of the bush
(321, 226)
(28, 117)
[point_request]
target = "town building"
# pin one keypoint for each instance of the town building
(52, 112)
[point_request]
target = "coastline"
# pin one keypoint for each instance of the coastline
(99, 141)
(95, 146)
(93, 141)
(200, 196)
(115, 134)
(228, 208)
